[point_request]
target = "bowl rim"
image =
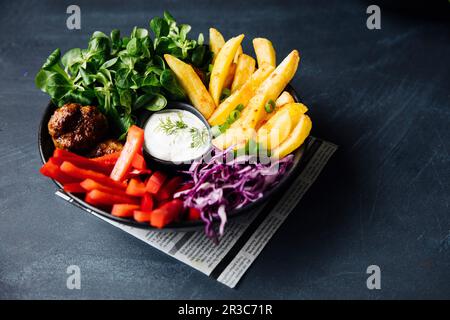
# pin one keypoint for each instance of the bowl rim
(182, 225)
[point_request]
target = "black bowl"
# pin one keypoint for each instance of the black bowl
(46, 149)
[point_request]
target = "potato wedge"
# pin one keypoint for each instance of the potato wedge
(265, 53)
(221, 67)
(270, 89)
(268, 116)
(216, 42)
(191, 83)
(278, 128)
(230, 76)
(234, 137)
(244, 69)
(238, 54)
(295, 139)
(284, 98)
(241, 96)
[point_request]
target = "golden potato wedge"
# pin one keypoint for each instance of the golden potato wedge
(270, 89)
(277, 129)
(234, 137)
(221, 67)
(191, 83)
(284, 98)
(230, 76)
(241, 96)
(268, 116)
(295, 139)
(265, 53)
(216, 42)
(244, 69)
(238, 54)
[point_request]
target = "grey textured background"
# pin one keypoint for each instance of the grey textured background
(383, 96)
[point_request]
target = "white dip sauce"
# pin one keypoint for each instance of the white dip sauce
(176, 135)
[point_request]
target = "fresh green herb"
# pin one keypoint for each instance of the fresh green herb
(270, 106)
(171, 127)
(198, 137)
(123, 75)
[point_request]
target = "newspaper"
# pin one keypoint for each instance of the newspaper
(244, 238)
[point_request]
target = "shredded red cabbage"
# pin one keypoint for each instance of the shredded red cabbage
(222, 184)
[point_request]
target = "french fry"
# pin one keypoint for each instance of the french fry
(295, 139)
(277, 129)
(216, 42)
(230, 76)
(192, 84)
(244, 70)
(241, 96)
(283, 99)
(222, 66)
(270, 89)
(238, 54)
(265, 53)
(268, 116)
(233, 137)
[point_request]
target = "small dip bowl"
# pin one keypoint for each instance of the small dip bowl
(167, 164)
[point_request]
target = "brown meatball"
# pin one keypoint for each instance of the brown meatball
(77, 128)
(106, 147)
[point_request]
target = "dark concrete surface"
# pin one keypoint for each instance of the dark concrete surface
(382, 95)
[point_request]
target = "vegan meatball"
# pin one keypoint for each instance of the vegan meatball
(77, 128)
(106, 147)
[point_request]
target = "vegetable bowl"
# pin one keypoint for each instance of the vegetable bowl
(46, 149)
(169, 132)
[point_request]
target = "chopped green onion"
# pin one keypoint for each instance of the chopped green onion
(240, 107)
(215, 131)
(225, 94)
(234, 115)
(270, 106)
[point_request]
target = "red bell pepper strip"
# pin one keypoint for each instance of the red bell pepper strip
(108, 159)
(166, 213)
(52, 170)
(101, 198)
(84, 163)
(155, 182)
(185, 187)
(58, 153)
(147, 202)
(136, 173)
(80, 173)
(194, 214)
(90, 185)
(142, 216)
(139, 162)
(135, 139)
(124, 210)
(73, 188)
(135, 188)
(168, 189)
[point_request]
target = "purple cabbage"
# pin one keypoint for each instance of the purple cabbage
(224, 183)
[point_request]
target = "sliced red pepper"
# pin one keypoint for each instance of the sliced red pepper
(142, 216)
(52, 170)
(135, 139)
(101, 198)
(168, 189)
(108, 159)
(194, 214)
(135, 188)
(84, 163)
(136, 173)
(155, 182)
(147, 202)
(124, 210)
(80, 173)
(139, 162)
(74, 188)
(167, 213)
(64, 153)
(90, 185)
(185, 187)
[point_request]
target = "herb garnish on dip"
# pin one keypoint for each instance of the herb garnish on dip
(176, 135)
